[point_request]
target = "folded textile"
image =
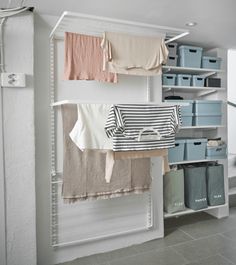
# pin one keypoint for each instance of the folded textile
(84, 59)
(136, 55)
(142, 127)
(88, 132)
(84, 172)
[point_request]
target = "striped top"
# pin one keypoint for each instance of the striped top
(142, 127)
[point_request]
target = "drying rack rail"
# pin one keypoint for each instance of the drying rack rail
(93, 25)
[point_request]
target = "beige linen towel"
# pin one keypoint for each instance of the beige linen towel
(84, 172)
(136, 55)
(84, 59)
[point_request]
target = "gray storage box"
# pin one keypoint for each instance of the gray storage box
(207, 107)
(176, 154)
(172, 48)
(183, 80)
(190, 56)
(207, 119)
(195, 149)
(217, 152)
(187, 119)
(174, 191)
(198, 81)
(213, 82)
(169, 79)
(211, 62)
(172, 60)
(188, 109)
(195, 187)
(215, 185)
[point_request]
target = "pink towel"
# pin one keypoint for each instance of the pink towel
(84, 59)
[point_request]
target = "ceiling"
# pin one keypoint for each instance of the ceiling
(216, 18)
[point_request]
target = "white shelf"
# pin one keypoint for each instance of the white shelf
(208, 127)
(191, 89)
(232, 191)
(192, 161)
(190, 211)
(189, 70)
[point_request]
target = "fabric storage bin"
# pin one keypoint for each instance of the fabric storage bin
(190, 56)
(207, 107)
(206, 119)
(168, 79)
(197, 81)
(172, 60)
(211, 62)
(174, 191)
(215, 185)
(187, 119)
(213, 82)
(183, 80)
(195, 187)
(195, 149)
(216, 151)
(172, 48)
(176, 154)
(188, 109)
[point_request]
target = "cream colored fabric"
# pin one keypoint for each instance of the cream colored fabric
(135, 55)
(84, 172)
(112, 156)
(88, 132)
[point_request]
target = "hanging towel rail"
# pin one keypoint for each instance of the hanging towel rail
(89, 24)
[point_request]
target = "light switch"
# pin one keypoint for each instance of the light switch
(12, 79)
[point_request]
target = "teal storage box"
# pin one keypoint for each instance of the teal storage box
(195, 149)
(172, 48)
(187, 119)
(190, 56)
(198, 81)
(174, 191)
(169, 79)
(216, 152)
(183, 80)
(207, 119)
(195, 187)
(188, 109)
(215, 185)
(211, 62)
(172, 60)
(176, 154)
(207, 107)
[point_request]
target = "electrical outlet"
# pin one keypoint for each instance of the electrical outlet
(12, 79)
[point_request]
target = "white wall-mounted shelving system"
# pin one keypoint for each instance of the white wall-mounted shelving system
(191, 92)
(150, 206)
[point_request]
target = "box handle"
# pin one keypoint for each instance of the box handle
(176, 144)
(185, 78)
(197, 143)
(199, 78)
(192, 50)
(169, 77)
(218, 149)
(171, 58)
(171, 45)
(212, 61)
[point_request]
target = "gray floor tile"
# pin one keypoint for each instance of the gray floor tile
(91, 260)
(199, 249)
(214, 260)
(162, 257)
(172, 237)
(231, 234)
(230, 254)
(209, 227)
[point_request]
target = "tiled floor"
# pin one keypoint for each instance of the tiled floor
(197, 239)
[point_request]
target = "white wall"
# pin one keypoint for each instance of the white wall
(129, 90)
(19, 156)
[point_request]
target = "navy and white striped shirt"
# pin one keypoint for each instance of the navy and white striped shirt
(142, 127)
